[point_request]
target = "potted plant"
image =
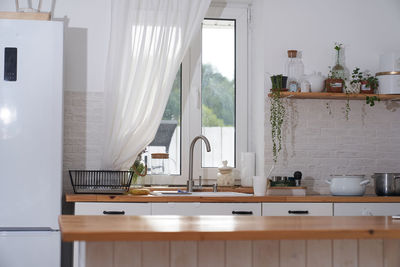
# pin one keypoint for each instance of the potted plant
(369, 84)
(277, 115)
(333, 83)
(279, 82)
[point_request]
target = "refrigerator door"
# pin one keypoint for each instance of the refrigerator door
(21, 249)
(30, 123)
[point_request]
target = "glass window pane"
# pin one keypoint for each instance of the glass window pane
(218, 91)
(168, 136)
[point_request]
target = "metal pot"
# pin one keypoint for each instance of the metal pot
(387, 184)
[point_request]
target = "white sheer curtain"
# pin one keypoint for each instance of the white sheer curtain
(148, 41)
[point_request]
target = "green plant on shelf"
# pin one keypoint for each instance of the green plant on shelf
(370, 100)
(277, 117)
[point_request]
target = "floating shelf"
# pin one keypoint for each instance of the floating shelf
(297, 95)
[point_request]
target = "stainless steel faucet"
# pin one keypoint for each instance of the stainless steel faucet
(190, 182)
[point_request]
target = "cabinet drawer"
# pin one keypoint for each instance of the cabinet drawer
(366, 209)
(90, 208)
(191, 209)
(297, 209)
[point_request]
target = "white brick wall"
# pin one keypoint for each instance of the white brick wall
(320, 144)
(83, 129)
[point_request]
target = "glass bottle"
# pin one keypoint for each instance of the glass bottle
(294, 70)
(339, 71)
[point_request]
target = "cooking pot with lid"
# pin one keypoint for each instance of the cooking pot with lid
(387, 184)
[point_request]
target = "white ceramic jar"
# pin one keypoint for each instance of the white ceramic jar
(389, 82)
(347, 185)
(317, 82)
(224, 175)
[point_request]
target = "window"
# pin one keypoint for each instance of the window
(210, 98)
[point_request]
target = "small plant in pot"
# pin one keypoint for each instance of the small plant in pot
(279, 82)
(369, 84)
(334, 84)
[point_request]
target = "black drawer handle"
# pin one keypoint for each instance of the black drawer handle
(240, 212)
(114, 212)
(298, 211)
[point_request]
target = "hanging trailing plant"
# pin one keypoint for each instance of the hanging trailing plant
(277, 110)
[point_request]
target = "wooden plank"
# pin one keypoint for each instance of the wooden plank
(211, 253)
(324, 95)
(183, 253)
(391, 253)
(181, 228)
(25, 15)
(370, 253)
(238, 253)
(99, 254)
(292, 253)
(151, 198)
(319, 253)
(127, 254)
(155, 254)
(266, 253)
(345, 253)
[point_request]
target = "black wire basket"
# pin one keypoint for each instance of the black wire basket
(100, 182)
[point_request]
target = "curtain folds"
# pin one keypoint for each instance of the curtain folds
(148, 41)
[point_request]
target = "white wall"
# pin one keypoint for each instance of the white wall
(317, 143)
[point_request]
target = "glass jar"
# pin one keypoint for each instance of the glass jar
(160, 164)
(294, 71)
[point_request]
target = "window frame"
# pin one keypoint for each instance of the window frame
(191, 97)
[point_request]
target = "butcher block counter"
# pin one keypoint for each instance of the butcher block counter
(241, 199)
(210, 241)
(158, 228)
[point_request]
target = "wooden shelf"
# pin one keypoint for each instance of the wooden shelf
(296, 95)
(25, 15)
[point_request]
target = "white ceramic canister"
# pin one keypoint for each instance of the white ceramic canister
(389, 82)
(224, 175)
(317, 82)
(347, 185)
(389, 61)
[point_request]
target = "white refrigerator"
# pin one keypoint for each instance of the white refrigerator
(31, 117)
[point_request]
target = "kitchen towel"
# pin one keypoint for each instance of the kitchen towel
(247, 168)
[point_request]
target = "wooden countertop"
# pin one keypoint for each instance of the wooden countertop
(152, 228)
(151, 198)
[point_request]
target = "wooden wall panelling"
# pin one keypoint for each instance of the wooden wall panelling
(127, 254)
(238, 253)
(292, 253)
(319, 253)
(345, 253)
(266, 253)
(155, 254)
(391, 253)
(183, 253)
(99, 254)
(370, 252)
(211, 253)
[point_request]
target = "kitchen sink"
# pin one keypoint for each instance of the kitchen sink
(200, 194)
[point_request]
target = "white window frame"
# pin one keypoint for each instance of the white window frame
(191, 97)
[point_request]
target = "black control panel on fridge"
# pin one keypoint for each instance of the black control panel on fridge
(10, 64)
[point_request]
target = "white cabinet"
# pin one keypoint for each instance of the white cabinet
(112, 208)
(179, 208)
(366, 209)
(296, 209)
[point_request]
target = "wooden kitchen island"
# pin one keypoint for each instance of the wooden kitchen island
(234, 240)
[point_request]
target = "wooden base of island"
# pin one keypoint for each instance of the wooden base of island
(174, 241)
(257, 253)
